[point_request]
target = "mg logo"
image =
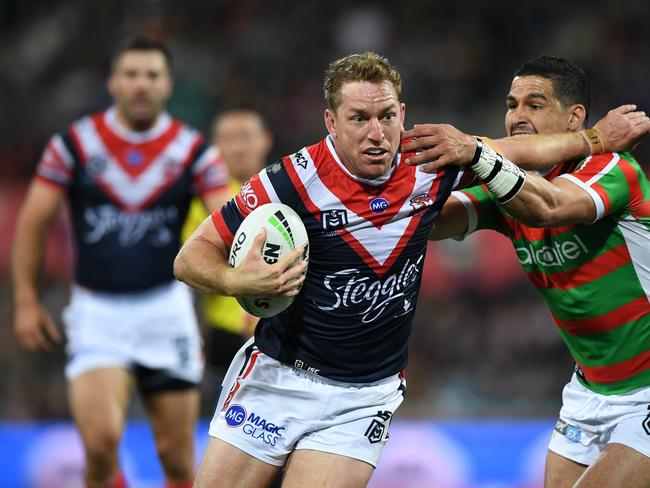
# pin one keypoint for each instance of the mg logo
(378, 205)
(235, 415)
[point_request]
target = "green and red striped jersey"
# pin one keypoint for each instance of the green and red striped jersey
(594, 278)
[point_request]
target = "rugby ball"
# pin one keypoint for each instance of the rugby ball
(284, 232)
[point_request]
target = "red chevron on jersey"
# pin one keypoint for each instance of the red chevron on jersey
(161, 155)
(324, 187)
(134, 156)
(346, 188)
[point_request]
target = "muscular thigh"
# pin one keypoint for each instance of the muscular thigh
(225, 466)
(617, 466)
(173, 414)
(324, 470)
(561, 472)
(99, 400)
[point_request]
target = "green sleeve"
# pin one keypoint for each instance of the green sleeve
(483, 212)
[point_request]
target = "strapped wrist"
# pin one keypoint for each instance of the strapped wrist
(503, 178)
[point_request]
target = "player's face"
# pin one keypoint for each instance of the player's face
(366, 127)
(244, 143)
(140, 84)
(533, 108)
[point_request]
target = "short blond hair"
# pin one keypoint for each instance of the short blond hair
(368, 66)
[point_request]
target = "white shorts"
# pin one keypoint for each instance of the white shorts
(589, 421)
(268, 409)
(154, 329)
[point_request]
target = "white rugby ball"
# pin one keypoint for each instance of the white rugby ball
(284, 232)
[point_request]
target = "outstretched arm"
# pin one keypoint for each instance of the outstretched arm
(532, 199)
(442, 144)
(543, 203)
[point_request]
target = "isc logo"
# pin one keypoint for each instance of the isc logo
(235, 415)
(378, 205)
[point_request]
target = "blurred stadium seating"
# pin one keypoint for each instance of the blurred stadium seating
(483, 344)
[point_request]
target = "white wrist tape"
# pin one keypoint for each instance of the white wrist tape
(503, 178)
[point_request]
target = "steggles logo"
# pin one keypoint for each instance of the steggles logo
(129, 227)
(350, 288)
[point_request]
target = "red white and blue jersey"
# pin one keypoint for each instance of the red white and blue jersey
(352, 319)
(129, 193)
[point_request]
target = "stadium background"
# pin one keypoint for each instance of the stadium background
(486, 365)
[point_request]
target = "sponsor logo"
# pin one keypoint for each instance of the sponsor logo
(378, 205)
(646, 422)
(571, 432)
(581, 374)
(248, 195)
(97, 164)
(215, 175)
(555, 254)
(134, 158)
(236, 247)
(130, 227)
(172, 167)
(285, 225)
(300, 364)
(300, 159)
(334, 219)
(235, 415)
(271, 252)
(254, 425)
(350, 288)
(377, 431)
(262, 302)
(420, 202)
(182, 346)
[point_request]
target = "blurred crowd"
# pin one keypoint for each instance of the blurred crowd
(483, 342)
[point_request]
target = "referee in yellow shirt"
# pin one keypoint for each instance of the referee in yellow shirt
(244, 142)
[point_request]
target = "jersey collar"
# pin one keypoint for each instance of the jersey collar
(162, 124)
(380, 180)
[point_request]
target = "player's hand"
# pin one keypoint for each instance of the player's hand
(437, 145)
(34, 328)
(255, 277)
(622, 128)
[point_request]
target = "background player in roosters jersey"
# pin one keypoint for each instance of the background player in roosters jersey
(318, 386)
(582, 235)
(128, 175)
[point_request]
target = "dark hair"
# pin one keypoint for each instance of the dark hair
(141, 43)
(569, 80)
(358, 67)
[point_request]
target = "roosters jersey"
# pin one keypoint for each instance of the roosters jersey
(352, 319)
(129, 193)
(594, 278)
